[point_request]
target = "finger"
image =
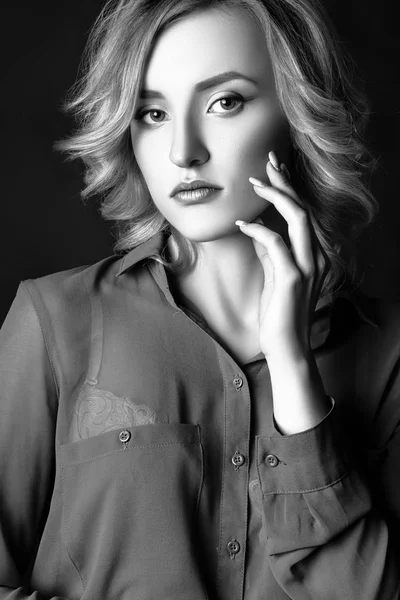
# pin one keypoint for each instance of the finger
(273, 248)
(280, 181)
(299, 228)
(258, 220)
(280, 178)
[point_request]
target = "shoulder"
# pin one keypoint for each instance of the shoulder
(60, 303)
(64, 300)
(386, 335)
(69, 292)
(368, 324)
(382, 314)
(56, 311)
(71, 285)
(377, 335)
(387, 312)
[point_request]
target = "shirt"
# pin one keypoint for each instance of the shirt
(140, 461)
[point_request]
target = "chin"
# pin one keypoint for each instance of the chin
(208, 233)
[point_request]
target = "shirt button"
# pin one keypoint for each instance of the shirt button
(237, 382)
(238, 459)
(124, 436)
(271, 460)
(233, 548)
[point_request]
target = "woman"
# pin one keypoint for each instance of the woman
(214, 414)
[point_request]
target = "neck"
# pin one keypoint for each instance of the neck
(226, 283)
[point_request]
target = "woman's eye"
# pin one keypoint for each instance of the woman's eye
(152, 116)
(226, 104)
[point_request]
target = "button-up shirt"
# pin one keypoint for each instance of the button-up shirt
(140, 461)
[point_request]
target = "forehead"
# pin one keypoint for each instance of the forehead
(205, 44)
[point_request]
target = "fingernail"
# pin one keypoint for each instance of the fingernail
(274, 161)
(240, 223)
(257, 182)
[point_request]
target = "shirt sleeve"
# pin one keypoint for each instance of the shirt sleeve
(28, 407)
(325, 538)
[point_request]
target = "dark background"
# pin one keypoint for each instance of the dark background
(45, 225)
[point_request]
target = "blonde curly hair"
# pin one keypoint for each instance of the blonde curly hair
(325, 110)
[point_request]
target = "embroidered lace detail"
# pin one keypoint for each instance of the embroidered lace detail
(255, 493)
(98, 411)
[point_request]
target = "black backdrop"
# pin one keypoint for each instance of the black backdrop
(45, 225)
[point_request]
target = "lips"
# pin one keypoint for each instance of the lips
(193, 185)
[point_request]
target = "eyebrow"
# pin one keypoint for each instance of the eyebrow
(204, 85)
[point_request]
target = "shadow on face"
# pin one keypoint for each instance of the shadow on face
(209, 111)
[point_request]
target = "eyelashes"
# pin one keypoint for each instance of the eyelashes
(228, 105)
(236, 100)
(154, 112)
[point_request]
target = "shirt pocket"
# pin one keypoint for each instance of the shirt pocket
(130, 502)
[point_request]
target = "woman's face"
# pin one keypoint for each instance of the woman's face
(209, 111)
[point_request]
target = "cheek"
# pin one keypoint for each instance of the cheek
(142, 155)
(268, 132)
(148, 158)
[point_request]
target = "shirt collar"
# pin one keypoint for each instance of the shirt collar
(144, 250)
(363, 305)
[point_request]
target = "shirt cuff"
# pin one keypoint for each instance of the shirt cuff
(309, 493)
(301, 462)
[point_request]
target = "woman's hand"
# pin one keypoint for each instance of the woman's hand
(293, 278)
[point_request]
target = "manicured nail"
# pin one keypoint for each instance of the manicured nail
(257, 182)
(240, 223)
(274, 161)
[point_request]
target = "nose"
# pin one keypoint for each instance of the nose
(187, 146)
